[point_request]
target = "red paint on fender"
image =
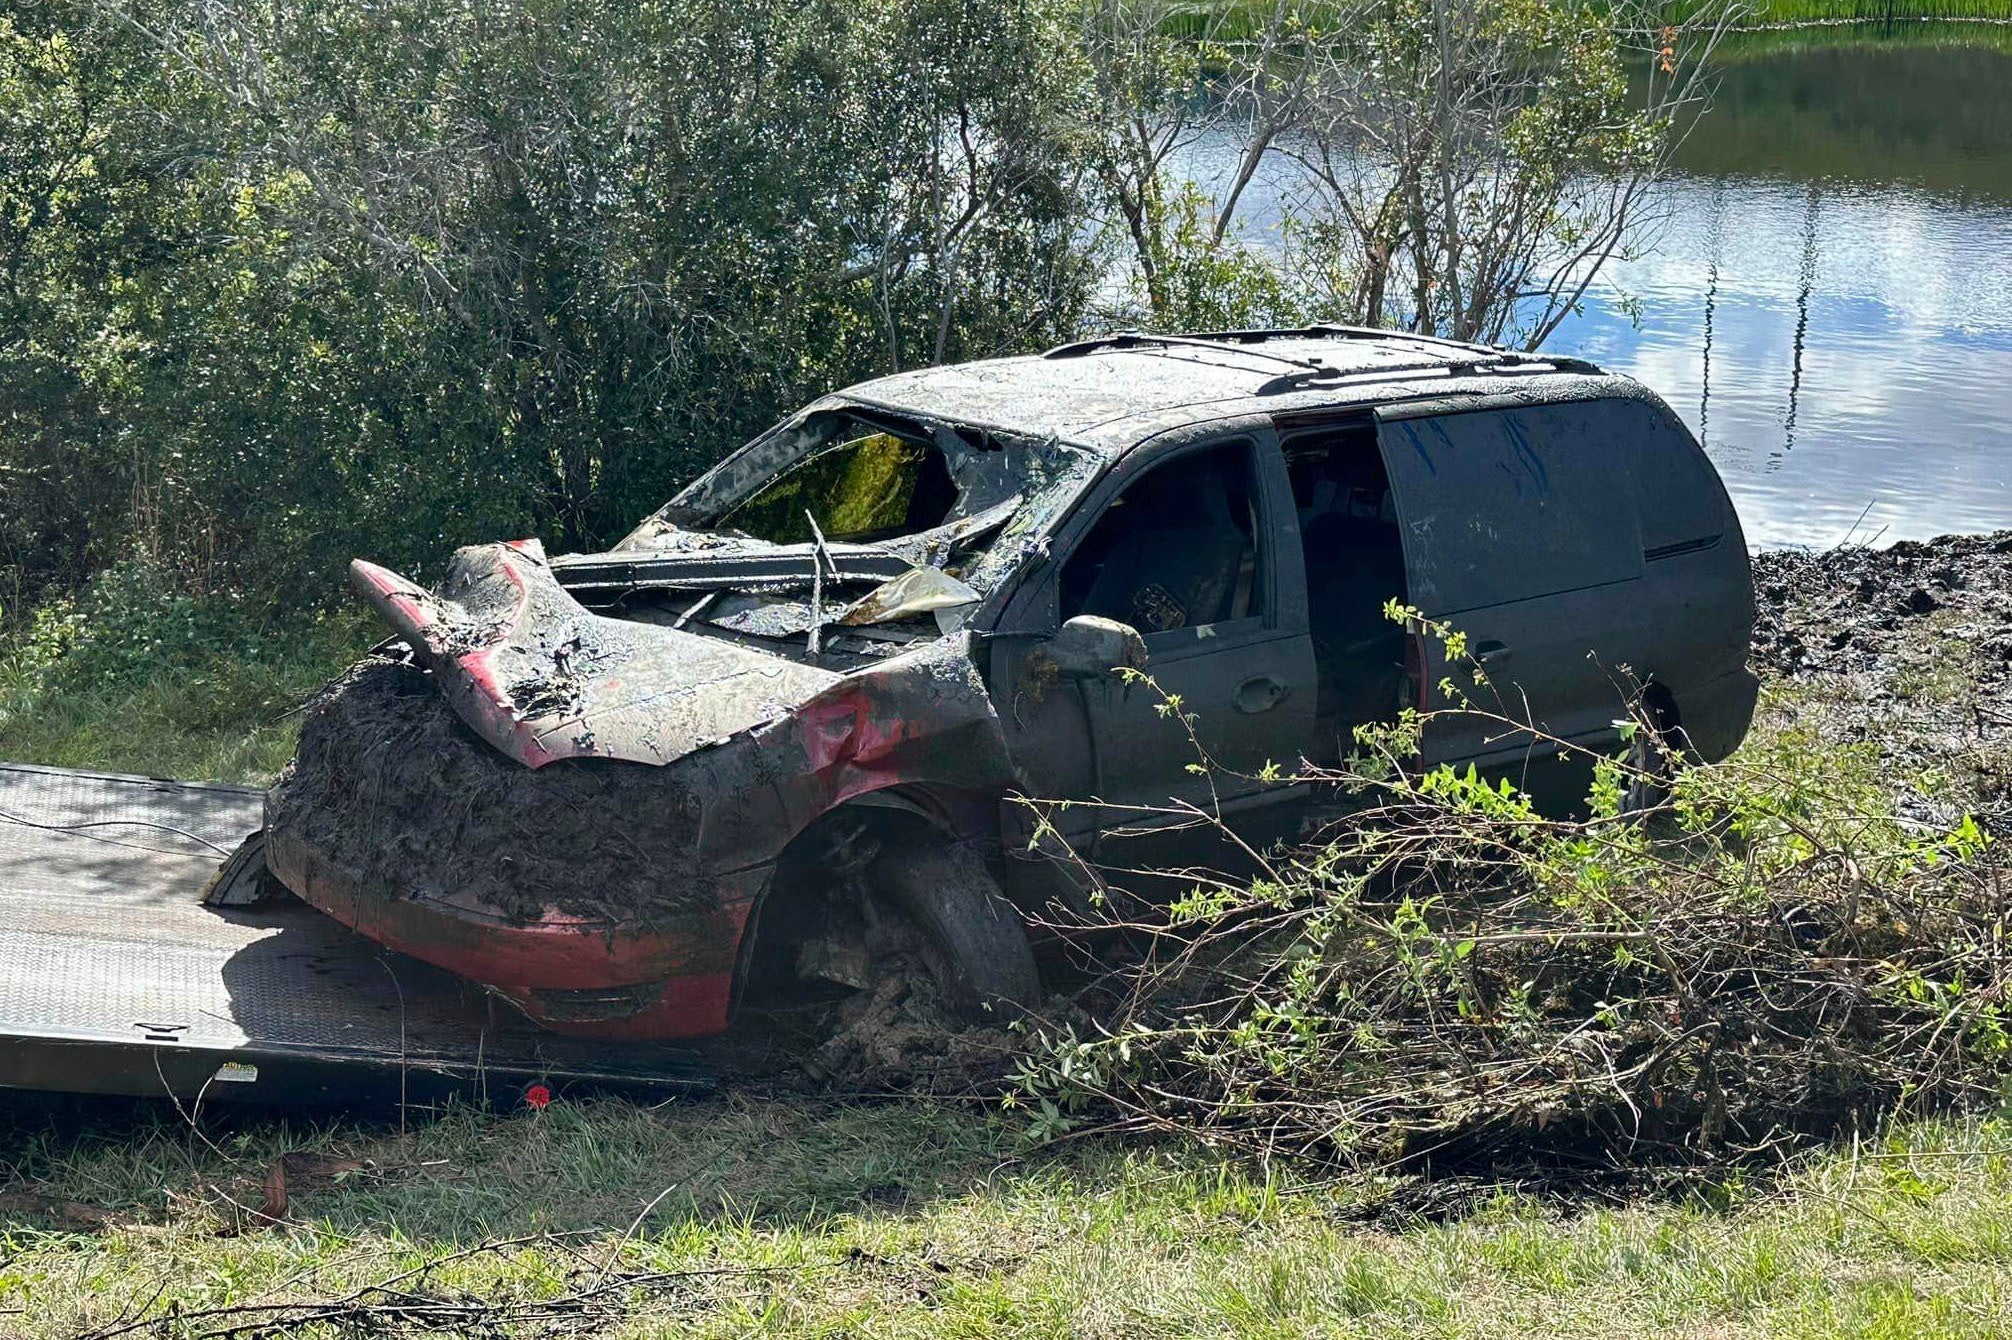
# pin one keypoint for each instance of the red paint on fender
(842, 728)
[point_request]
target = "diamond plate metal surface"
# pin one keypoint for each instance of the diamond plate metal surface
(103, 938)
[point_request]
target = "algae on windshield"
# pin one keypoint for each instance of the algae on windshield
(856, 490)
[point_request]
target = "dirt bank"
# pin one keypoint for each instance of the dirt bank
(1909, 647)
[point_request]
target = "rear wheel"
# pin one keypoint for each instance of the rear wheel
(1653, 753)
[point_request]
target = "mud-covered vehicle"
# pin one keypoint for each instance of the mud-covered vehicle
(787, 721)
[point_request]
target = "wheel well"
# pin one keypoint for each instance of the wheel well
(1659, 705)
(837, 836)
(836, 845)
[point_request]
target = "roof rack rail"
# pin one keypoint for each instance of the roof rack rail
(1500, 365)
(1233, 341)
(1133, 339)
(1492, 354)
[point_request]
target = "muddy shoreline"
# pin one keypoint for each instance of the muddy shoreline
(1907, 647)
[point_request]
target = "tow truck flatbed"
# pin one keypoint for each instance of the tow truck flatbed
(115, 978)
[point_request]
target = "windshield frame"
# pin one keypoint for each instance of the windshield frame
(1073, 468)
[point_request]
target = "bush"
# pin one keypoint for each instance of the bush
(301, 282)
(291, 283)
(131, 626)
(1771, 953)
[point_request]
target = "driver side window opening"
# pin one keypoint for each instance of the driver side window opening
(1176, 549)
(1354, 564)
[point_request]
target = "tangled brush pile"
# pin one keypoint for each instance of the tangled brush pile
(1768, 953)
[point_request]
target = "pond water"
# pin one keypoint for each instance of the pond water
(1829, 301)
(1827, 298)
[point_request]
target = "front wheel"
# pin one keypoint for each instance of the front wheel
(884, 911)
(971, 937)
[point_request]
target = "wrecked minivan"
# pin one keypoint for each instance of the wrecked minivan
(784, 728)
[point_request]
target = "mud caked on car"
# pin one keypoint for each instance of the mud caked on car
(784, 724)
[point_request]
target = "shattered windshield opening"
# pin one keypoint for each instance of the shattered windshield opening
(871, 487)
(865, 476)
(862, 529)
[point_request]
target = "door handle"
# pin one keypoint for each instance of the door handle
(1490, 652)
(1259, 693)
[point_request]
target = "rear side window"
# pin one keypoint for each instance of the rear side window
(1677, 493)
(1502, 505)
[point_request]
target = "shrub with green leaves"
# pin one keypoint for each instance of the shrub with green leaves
(292, 283)
(1771, 952)
(132, 625)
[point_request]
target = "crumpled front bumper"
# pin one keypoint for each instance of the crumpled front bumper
(571, 974)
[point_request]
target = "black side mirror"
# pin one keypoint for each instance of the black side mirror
(1089, 647)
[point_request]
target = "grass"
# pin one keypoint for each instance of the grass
(1869, 11)
(915, 1219)
(1230, 20)
(231, 720)
(1766, 43)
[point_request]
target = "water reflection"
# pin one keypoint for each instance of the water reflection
(1715, 232)
(1828, 299)
(1840, 340)
(1806, 280)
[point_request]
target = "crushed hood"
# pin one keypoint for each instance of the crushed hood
(540, 677)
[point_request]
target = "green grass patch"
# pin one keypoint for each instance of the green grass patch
(226, 715)
(740, 1215)
(1757, 12)
(1809, 21)
(753, 1217)
(1754, 43)
(744, 1216)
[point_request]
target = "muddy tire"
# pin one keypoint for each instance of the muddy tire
(1648, 774)
(1653, 756)
(973, 938)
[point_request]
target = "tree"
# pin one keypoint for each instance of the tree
(1174, 85)
(1470, 168)
(288, 281)
(391, 277)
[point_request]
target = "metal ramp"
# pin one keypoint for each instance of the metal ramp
(115, 979)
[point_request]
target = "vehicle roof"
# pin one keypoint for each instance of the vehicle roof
(1114, 391)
